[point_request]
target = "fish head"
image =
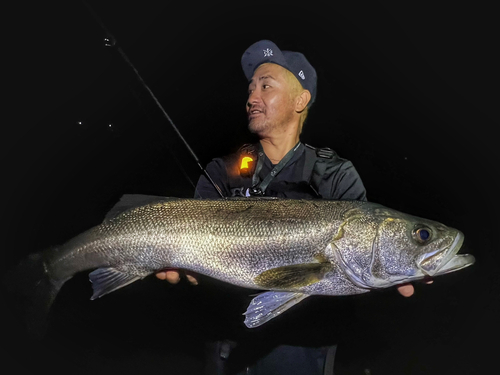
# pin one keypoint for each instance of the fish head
(380, 247)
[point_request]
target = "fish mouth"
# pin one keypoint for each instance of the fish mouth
(457, 262)
(451, 261)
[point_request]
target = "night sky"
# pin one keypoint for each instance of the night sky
(406, 92)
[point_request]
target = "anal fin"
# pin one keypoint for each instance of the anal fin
(107, 280)
(269, 305)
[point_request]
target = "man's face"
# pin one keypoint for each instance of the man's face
(270, 107)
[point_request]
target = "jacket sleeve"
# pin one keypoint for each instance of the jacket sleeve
(217, 171)
(344, 183)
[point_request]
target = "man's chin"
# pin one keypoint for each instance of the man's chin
(255, 127)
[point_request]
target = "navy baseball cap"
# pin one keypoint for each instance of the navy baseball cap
(265, 51)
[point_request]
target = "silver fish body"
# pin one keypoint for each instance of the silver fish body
(293, 248)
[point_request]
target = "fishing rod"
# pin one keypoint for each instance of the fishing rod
(110, 41)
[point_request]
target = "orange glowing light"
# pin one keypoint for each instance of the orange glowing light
(244, 162)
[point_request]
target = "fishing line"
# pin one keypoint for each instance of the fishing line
(110, 41)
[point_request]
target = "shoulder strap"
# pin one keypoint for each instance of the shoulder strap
(315, 164)
(262, 186)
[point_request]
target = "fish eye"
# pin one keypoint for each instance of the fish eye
(422, 234)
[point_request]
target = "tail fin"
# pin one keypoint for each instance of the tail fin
(33, 292)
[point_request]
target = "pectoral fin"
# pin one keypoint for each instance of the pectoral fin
(292, 277)
(268, 305)
(107, 280)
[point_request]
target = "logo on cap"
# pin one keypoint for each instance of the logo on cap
(268, 52)
(302, 75)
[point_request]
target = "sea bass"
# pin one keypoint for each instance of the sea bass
(291, 248)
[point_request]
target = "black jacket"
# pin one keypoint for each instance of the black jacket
(338, 178)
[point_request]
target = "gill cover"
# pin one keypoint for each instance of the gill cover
(354, 244)
(375, 247)
(394, 253)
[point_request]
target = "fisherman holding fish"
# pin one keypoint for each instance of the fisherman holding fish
(299, 226)
(281, 90)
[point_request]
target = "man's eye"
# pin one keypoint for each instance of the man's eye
(265, 86)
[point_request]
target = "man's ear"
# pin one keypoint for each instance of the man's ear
(302, 101)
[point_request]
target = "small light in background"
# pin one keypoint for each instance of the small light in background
(113, 128)
(109, 41)
(81, 125)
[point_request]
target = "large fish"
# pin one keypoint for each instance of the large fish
(292, 248)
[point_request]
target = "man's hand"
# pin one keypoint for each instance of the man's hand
(173, 276)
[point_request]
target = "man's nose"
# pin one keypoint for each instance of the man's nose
(253, 98)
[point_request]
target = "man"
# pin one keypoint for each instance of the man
(282, 88)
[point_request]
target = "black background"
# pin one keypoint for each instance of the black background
(406, 92)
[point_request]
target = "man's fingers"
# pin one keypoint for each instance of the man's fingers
(171, 276)
(406, 290)
(162, 275)
(192, 278)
